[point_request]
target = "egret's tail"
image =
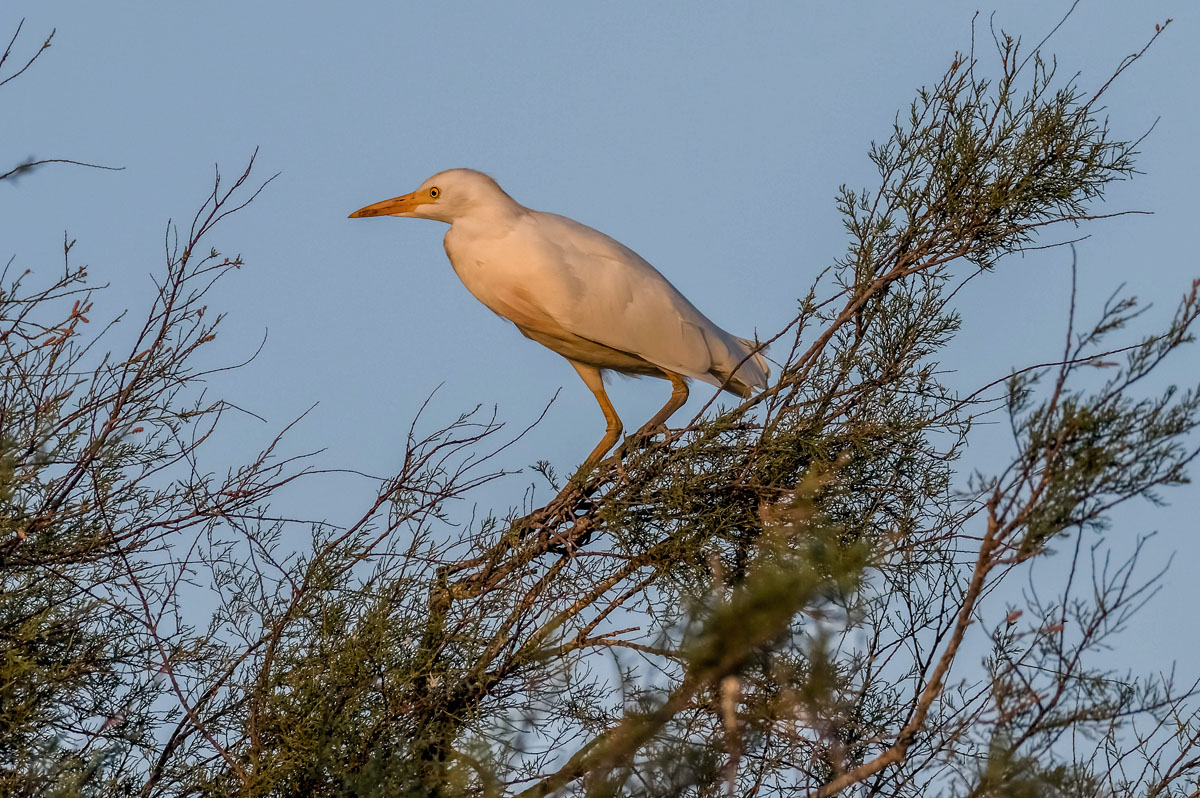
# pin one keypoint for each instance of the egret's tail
(751, 375)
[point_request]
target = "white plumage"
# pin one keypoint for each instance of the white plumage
(579, 292)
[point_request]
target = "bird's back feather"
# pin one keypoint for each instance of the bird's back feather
(595, 301)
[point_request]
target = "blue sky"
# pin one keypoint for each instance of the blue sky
(710, 138)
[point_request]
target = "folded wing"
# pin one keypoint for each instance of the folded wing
(622, 302)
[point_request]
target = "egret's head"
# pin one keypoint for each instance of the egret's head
(446, 196)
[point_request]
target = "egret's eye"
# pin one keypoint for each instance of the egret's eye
(435, 192)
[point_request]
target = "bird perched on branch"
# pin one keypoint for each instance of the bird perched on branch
(582, 294)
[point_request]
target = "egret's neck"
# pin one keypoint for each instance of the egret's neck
(493, 220)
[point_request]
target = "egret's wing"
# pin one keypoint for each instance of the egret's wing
(623, 302)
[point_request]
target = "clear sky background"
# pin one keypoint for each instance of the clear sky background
(711, 138)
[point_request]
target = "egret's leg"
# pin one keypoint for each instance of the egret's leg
(592, 379)
(679, 395)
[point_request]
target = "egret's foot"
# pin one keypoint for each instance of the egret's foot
(644, 438)
(647, 432)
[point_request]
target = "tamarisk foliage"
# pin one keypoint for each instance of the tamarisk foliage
(778, 598)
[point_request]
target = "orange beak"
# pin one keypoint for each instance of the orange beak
(393, 206)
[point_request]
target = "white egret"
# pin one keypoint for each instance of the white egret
(582, 294)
